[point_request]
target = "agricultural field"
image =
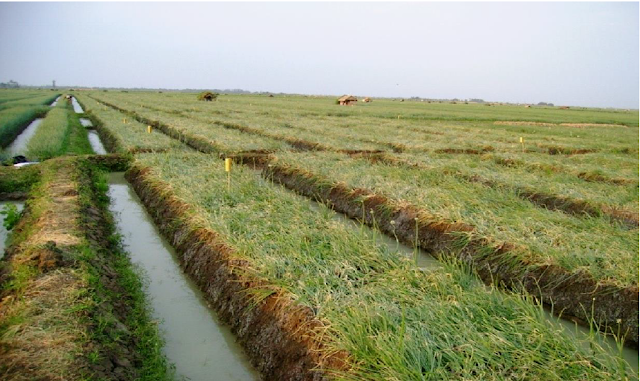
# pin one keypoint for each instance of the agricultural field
(18, 108)
(300, 245)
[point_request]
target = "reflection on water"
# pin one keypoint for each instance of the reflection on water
(96, 143)
(76, 106)
(19, 145)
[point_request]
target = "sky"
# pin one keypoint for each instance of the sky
(577, 54)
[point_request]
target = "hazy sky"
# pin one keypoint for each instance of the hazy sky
(565, 53)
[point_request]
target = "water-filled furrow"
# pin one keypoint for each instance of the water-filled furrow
(19, 144)
(86, 122)
(96, 143)
(76, 106)
(196, 342)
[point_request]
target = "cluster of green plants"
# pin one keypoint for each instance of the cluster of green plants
(552, 235)
(361, 128)
(394, 319)
(130, 134)
(11, 216)
(17, 98)
(606, 250)
(224, 140)
(561, 183)
(59, 133)
(14, 120)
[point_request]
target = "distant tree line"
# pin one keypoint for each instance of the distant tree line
(545, 104)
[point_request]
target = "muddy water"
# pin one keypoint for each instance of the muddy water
(96, 143)
(76, 106)
(608, 343)
(4, 233)
(86, 122)
(19, 145)
(199, 345)
(54, 102)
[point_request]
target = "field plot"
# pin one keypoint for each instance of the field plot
(550, 235)
(213, 139)
(18, 109)
(564, 198)
(529, 212)
(121, 133)
(390, 317)
(365, 127)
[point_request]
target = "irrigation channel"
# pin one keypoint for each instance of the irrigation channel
(4, 233)
(96, 143)
(55, 102)
(86, 122)
(19, 144)
(76, 106)
(94, 138)
(199, 345)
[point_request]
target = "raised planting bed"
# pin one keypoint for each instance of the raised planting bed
(567, 261)
(121, 133)
(200, 136)
(270, 261)
(551, 190)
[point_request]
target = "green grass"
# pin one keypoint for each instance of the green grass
(396, 321)
(366, 127)
(222, 139)
(49, 139)
(139, 322)
(59, 133)
(562, 184)
(606, 250)
(14, 120)
(604, 179)
(130, 136)
(76, 141)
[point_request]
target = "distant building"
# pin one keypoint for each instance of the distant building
(367, 100)
(347, 100)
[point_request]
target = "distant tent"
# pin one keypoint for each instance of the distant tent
(347, 100)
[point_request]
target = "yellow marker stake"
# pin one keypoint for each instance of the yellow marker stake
(227, 168)
(149, 129)
(522, 142)
(124, 120)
